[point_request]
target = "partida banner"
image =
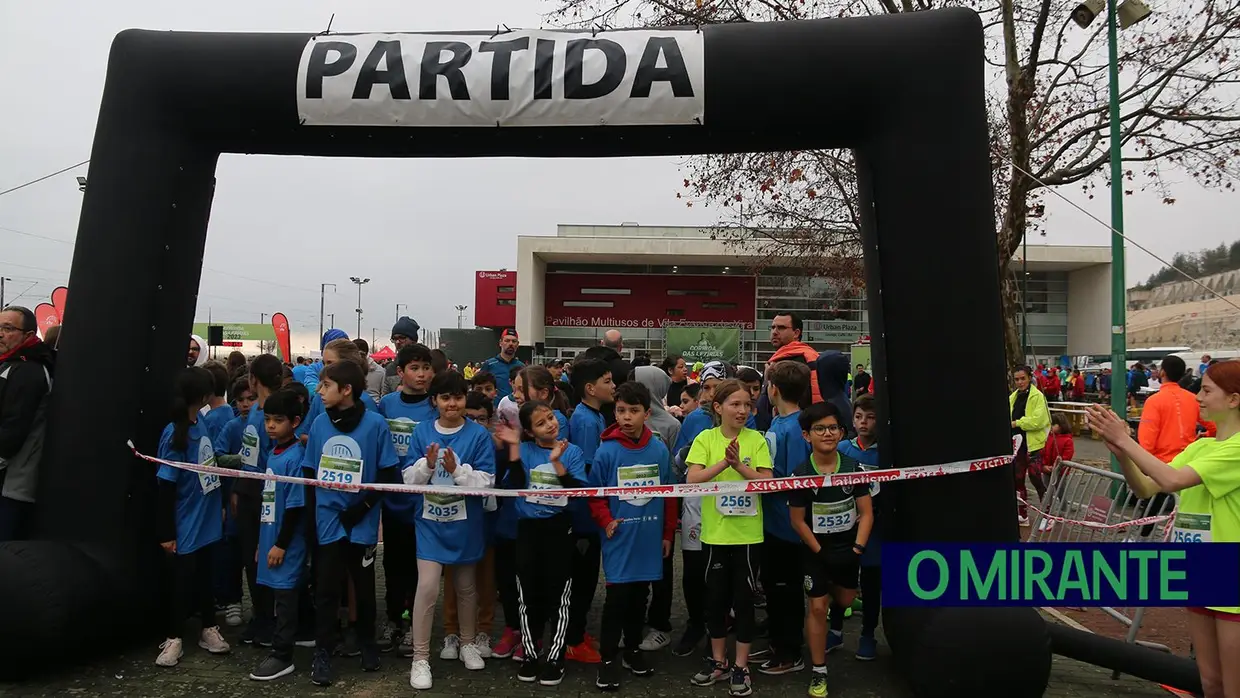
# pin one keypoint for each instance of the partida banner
(703, 343)
(514, 78)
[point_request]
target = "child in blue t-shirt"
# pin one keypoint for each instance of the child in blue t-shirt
(217, 412)
(502, 533)
(593, 381)
(864, 450)
(349, 446)
(228, 559)
(637, 531)
(450, 527)
(281, 540)
(544, 534)
(404, 410)
(189, 523)
(782, 576)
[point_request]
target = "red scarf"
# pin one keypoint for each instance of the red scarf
(31, 341)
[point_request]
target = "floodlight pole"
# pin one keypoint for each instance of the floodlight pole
(1119, 336)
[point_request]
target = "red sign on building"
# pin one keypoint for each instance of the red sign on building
(495, 298)
(647, 300)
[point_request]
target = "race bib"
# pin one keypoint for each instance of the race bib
(637, 476)
(834, 517)
(268, 512)
(443, 508)
(340, 471)
(209, 482)
(402, 434)
(1191, 528)
(544, 478)
(249, 448)
(736, 504)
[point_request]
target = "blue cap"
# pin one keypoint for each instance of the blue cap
(331, 335)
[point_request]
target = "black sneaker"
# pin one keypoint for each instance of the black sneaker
(389, 638)
(350, 647)
(321, 669)
(712, 671)
(370, 657)
(778, 667)
(552, 674)
(528, 673)
(636, 663)
(689, 641)
(305, 638)
(763, 653)
(741, 684)
(608, 676)
(271, 669)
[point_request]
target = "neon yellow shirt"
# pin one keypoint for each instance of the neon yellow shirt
(731, 519)
(1210, 512)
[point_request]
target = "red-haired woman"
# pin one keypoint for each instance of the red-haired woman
(1206, 475)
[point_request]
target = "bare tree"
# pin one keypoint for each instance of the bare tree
(1048, 105)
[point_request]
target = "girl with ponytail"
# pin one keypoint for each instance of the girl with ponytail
(189, 524)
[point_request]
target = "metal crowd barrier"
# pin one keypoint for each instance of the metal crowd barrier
(1084, 493)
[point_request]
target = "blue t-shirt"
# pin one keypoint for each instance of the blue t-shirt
(216, 419)
(562, 421)
(499, 368)
(199, 510)
(505, 525)
(228, 441)
(867, 459)
(789, 449)
(299, 373)
(585, 431)
(752, 422)
(356, 456)
(254, 442)
(540, 474)
(279, 497)
(697, 422)
(450, 530)
(402, 419)
(635, 552)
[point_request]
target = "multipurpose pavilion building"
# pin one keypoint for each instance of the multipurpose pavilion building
(570, 288)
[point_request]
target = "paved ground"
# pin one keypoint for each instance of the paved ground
(135, 674)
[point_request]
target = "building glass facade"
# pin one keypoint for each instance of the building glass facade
(833, 313)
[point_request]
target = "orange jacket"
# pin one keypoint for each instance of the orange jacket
(804, 351)
(1169, 422)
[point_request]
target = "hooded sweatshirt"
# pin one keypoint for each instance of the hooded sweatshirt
(202, 350)
(832, 372)
(660, 421)
(634, 553)
(25, 389)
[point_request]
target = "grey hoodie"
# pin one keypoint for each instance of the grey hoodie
(661, 421)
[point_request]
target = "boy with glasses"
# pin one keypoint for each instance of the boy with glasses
(834, 525)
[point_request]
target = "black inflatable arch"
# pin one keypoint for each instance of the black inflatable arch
(905, 91)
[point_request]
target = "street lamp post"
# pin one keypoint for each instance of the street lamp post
(359, 283)
(460, 316)
(322, 306)
(398, 307)
(1125, 14)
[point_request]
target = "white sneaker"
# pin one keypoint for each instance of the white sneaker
(1023, 520)
(483, 642)
(232, 615)
(1045, 525)
(420, 675)
(654, 640)
(471, 659)
(170, 652)
(212, 641)
(451, 647)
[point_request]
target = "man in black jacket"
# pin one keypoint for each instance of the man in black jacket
(26, 365)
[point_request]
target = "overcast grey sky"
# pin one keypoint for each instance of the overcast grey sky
(446, 218)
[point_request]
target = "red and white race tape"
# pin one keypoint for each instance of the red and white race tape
(1143, 521)
(677, 490)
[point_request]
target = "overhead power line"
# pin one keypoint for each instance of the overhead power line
(40, 179)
